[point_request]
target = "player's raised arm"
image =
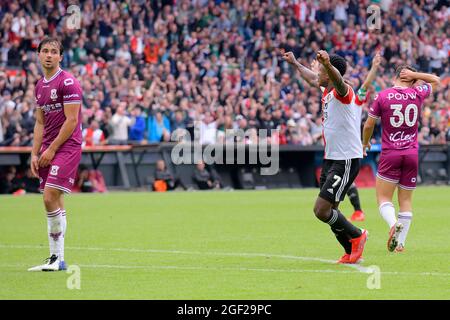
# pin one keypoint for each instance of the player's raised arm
(411, 76)
(372, 72)
(38, 135)
(307, 74)
(335, 77)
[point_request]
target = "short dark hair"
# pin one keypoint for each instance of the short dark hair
(339, 63)
(51, 40)
(399, 69)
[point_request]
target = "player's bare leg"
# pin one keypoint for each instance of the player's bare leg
(404, 215)
(385, 192)
(54, 226)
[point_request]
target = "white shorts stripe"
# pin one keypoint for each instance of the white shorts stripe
(387, 179)
(345, 178)
(338, 193)
(405, 187)
(51, 185)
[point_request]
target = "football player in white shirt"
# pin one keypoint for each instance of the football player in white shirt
(343, 148)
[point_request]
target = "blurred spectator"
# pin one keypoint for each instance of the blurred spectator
(137, 130)
(28, 182)
(158, 128)
(204, 179)
(120, 123)
(83, 181)
(8, 183)
(93, 135)
(89, 180)
(164, 179)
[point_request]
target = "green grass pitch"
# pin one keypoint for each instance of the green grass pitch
(220, 245)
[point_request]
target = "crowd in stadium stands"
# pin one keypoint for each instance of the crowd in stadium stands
(148, 68)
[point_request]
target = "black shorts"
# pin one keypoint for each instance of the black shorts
(336, 178)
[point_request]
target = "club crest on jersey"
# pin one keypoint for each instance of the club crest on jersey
(53, 94)
(54, 170)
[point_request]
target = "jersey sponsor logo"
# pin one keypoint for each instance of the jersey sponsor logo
(68, 82)
(74, 95)
(402, 96)
(54, 170)
(400, 136)
(53, 94)
(51, 107)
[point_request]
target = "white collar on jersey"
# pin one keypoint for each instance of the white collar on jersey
(53, 77)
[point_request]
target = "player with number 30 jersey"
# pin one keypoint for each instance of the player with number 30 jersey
(399, 110)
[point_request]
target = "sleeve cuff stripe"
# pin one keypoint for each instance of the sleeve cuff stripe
(74, 101)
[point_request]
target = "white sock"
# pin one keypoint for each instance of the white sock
(405, 218)
(387, 211)
(54, 228)
(64, 227)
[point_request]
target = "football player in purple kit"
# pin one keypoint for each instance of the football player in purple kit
(56, 150)
(399, 109)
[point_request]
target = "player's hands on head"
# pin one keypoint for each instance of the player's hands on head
(323, 57)
(34, 166)
(46, 158)
(407, 75)
(366, 148)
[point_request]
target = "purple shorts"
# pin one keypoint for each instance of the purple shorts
(61, 172)
(399, 168)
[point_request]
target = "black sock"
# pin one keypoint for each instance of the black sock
(340, 223)
(353, 195)
(344, 240)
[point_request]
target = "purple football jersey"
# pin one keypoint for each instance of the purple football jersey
(399, 109)
(51, 96)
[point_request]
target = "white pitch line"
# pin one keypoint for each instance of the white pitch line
(232, 254)
(194, 268)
